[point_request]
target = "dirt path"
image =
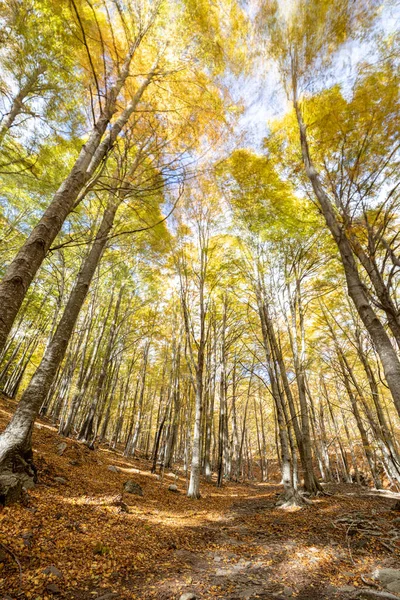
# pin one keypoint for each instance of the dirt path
(259, 551)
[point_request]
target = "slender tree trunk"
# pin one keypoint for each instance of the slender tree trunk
(85, 374)
(352, 453)
(288, 450)
(260, 454)
(17, 104)
(138, 425)
(194, 483)
(390, 451)
(337, 434)
(198, 363)
(240, 456)
(235, 432)
(222, 434)
(212, 369)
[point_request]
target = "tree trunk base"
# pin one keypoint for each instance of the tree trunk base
(17, 474)
(291, 499)
(194, 497)
(12, 486)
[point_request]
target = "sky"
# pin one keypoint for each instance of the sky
(263, 96)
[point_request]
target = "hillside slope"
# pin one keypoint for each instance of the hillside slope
(76, 536)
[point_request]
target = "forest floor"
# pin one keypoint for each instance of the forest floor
(73, 539)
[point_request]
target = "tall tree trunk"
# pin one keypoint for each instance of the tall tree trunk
(387, 354)
(303, 442)
(85, 374)
(15, 441)
(29, 258)
(337, 434)
(288, 450)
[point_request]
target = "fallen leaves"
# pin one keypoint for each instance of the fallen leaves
(163, 542)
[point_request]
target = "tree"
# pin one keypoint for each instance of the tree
(300, 47)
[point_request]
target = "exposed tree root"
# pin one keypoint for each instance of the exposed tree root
(370, 583)
(373, 594)
(323, 492)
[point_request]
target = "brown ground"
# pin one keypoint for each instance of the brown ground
(232, 543)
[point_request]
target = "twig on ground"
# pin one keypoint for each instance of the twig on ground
(387, 546)
(370, 583)
(348, 542)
